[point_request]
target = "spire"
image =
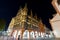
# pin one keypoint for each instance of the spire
(40, 21)
(31, 13)
(25, 8)
(35, 16)
(19, 11)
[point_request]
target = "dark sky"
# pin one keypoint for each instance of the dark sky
(43, 8)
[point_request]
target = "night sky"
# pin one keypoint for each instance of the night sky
(43, 8)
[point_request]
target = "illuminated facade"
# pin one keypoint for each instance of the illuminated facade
(23, 22)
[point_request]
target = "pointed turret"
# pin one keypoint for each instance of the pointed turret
(31, 13)
(25, 10)
(19, 11)
(40, 21)
(35, 16)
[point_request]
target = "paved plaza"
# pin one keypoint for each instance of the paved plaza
(12, 38)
